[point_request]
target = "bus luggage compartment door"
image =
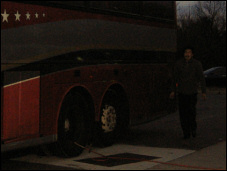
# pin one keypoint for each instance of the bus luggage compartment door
(20, 105)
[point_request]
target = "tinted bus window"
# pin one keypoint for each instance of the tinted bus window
(99, 4)
(158, 9)
(132, 7)
(70, 3)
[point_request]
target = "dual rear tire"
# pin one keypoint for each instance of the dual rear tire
(75, 124)
(113, 118)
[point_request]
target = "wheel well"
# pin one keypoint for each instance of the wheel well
(72, 93)
(68, 100)
(123, 97)
(119, 89)
(77, 108)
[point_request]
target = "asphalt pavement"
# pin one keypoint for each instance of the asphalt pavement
(209, 158)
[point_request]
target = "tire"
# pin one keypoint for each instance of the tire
(112, 118)
(73, 125)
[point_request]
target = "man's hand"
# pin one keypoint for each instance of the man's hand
(172, 95)
(204, 96)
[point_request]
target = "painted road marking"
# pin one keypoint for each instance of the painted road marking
(160, 154)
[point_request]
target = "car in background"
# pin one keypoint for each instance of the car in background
(215, 76)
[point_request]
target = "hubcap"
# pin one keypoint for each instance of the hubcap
(67, 125)
(108, 118)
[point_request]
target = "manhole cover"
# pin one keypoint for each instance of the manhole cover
(117, 159)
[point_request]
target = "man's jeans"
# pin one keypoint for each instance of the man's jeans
(187, 111)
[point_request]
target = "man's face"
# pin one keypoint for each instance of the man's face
(188, 54)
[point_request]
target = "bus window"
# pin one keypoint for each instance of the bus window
(158, 9)
(99, 4)
(132, 7)
(70, 3)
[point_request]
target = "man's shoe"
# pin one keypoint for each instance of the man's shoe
(194, 133)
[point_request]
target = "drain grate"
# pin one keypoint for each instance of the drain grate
(117, 159)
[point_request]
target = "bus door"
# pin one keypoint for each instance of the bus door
(21, 103)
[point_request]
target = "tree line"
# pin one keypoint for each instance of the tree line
(203, 26)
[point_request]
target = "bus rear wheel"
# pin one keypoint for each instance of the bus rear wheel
(113, 117)
(73, 126)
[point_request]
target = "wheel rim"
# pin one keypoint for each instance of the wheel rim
(67, 125)
(109, 118)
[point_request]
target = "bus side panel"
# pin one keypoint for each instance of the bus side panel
(149, 83)
(20, 113)
(48, 119)
(10, 115)
(29, 104)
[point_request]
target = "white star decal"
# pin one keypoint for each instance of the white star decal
(27, 16)
(17, 16)
(5, 16)
(36, 15)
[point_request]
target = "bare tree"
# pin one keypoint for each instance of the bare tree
(185, 14)
(205, 29)
(215, 11)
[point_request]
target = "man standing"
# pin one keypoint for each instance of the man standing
(187, 75)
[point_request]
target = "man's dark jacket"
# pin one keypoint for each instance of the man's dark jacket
(188, 76)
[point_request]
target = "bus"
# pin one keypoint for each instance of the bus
(75, 72)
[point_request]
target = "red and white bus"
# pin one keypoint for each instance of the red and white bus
(75, 71)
